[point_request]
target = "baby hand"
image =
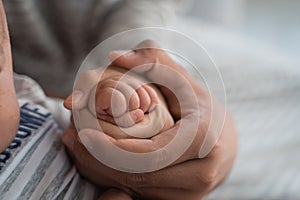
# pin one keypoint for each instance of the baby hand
(122, 100)
(120, 104)
(126, 106)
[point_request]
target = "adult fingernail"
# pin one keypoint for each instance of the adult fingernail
(77, 96)
(68, 140)
(115, 54)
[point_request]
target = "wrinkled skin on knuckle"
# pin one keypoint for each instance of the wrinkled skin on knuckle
(133, 180)
(210, 178)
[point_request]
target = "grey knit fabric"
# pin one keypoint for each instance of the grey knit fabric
(50, 38)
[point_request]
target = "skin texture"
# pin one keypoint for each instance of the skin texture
(123, 99)
(133, 97)
(9, 108)
(187, 178)
(115, 194)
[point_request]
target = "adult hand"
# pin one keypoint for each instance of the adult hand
(188, 180)
(202, 175)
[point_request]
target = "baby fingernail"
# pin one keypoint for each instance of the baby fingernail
(138, 116)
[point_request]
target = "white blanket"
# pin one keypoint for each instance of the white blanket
(263, 93)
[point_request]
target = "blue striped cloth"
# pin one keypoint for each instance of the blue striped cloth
(36, 166)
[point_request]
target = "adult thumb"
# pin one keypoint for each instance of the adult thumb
(76, 100)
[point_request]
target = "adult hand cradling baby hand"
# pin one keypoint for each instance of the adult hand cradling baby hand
(195, 172)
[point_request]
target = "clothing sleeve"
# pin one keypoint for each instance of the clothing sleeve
(129, 14)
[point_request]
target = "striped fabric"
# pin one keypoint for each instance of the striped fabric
(36, 166)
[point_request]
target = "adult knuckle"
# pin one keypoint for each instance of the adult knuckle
(210, 177)
(206, 177)
(135, 179)
(217, 148)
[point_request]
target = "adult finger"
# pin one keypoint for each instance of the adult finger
(150, 144)
(192, 175)
(145, 52)
(171, 176)
(68, 137)
(77, 100)
(115, 194)
(91, 138)
(82, 88)
(200, 174)
(86, 164)
(87, 120)
(168, 193)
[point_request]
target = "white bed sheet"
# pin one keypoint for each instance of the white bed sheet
(263, 92)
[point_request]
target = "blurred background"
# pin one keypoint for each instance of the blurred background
(276, 22)
(256, 46)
